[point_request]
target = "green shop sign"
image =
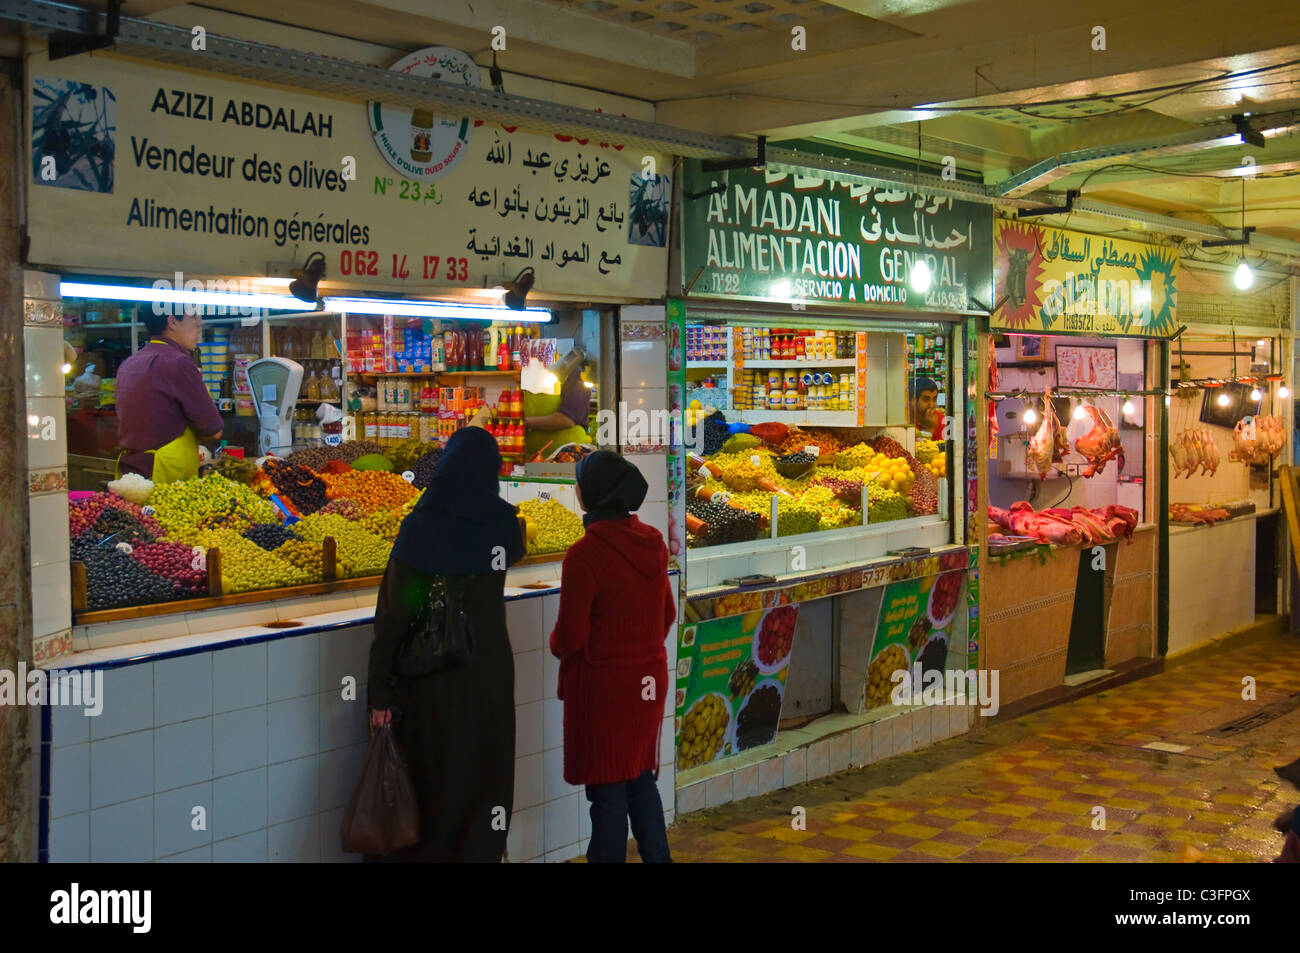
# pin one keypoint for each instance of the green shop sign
(778, 236)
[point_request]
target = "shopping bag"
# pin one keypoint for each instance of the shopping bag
(383, 815)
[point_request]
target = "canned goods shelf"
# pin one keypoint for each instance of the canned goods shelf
(793, 362)
(813, 418)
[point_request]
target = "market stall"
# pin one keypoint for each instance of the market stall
(1073, 387)
(822, 421)
(408, 336)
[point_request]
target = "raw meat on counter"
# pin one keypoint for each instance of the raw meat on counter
(1183, 513)
(1099, 444)
(1061, 526)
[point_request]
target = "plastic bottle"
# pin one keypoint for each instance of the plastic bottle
(516, 346)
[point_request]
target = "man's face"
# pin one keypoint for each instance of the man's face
(187, 330)
(924, 410)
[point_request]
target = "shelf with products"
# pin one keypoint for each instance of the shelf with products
(797, 443)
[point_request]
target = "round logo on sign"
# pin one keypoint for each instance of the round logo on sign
(416, 143)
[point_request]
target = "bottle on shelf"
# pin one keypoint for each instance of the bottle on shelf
(488, 343)
(516, 347)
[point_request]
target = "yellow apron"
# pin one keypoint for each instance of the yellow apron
(175, 460)
(535, 440)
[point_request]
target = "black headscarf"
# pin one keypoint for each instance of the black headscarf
(611, 487)
(461, 519)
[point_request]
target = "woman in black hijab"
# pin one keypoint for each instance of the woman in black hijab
(456, 728)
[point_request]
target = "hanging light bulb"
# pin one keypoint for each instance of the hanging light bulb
(66, 368)
(1243, 276)
(1256, 394)
(1166, 400)
(1283, 392)
(1079, 412)
(920, 278)
(1223, 399)
(1128, 407)
(1029, 416)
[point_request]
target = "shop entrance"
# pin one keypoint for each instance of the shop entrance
(1086, 650)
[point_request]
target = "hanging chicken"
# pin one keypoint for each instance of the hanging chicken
(1043, 444)
(1100, 444)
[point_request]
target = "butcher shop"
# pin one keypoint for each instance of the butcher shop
(1074, 387)
(818, 482)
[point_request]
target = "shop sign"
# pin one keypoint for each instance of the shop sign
(140, 169)
(1052, 281)
(803, 239)
(731, 677)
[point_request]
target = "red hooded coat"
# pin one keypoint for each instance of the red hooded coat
(616, 604)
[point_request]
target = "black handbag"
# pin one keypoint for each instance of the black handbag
(441, 636)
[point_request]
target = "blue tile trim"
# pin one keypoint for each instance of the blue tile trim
(43, 821)
(270, 636)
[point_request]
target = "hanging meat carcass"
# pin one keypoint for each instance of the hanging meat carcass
(1100, 444)
(1042, 445)
(1209, 451)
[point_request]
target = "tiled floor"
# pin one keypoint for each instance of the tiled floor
(1030, 789)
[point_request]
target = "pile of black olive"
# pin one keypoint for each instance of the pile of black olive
(114, 579)
(727, 524)
(270, 535)
(300, 485)
(121, 525)
(756, 723)
(716, 433)
(423, 468)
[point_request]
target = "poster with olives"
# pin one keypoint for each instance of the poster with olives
(915, 618)
(731, 682)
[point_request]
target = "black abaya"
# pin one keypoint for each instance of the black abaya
(456, 728)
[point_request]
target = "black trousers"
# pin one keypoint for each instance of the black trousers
(612, 806)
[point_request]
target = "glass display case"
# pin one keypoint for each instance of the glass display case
(798, 429)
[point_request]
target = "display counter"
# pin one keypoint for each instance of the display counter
(1211, 579)
(266, 706)
(1046, 613)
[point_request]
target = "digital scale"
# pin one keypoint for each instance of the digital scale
(275, 382)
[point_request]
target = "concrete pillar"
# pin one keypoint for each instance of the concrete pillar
(17, 803)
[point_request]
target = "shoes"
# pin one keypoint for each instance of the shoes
(1290, 772)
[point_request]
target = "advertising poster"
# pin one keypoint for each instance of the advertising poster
(915, 619)
(731, 677)
(136, 168)
(779, 236)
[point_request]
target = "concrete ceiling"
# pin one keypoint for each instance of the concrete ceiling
(1005, 84)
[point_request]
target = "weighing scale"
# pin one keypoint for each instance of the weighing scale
(275, 382)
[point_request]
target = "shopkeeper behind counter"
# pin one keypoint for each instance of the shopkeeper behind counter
(552, 421)
(926, 415)
(163, 408)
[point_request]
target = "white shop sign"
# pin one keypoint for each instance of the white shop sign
(134, 168)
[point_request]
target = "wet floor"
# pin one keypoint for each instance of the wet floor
(1029, 789)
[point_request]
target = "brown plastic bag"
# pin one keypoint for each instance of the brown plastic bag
(383, 815)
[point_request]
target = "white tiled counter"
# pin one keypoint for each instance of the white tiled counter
(250, 724)
(1211, 580)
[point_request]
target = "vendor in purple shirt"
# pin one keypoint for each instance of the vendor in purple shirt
(566, 424)
(163, 408)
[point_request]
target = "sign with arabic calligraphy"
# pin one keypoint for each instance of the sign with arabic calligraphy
(215, 177)
(1052, 281)
(775, 236)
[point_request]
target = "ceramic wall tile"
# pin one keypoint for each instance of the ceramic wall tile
(69, 725)
(342, 720)
(110, 635)
(643, 364)
(529, 784)
(182, 754)
(69, 780)
(70, 839)
(819, 759)
(654, 467)
(239, 740)
(527, 838)
(796, 767)
(51, 598)
(294, 728)
(531, 736)
(173, 819)
(524, 622)
(655, 514)
(293, 667)
(745, 782)
(293, 789)
(43, 361)
(295, 842)
(343, 653)
(528, 677)
(47, 433)
(128, 702)
(718, 790)
(643, 416)
(239, 804)
(41, 284)
(771, 776)
(48, 527)
(182, 688)
(840, 753)
(862, 746)
(562, 821)
(239, 677)
(338, 774)
(121, 768)
(122, 833)
(553, 783)
(691, 797)
(247, 849)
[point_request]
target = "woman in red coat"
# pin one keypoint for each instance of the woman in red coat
(616, 604)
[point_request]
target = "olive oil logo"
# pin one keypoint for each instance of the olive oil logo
(416, 143)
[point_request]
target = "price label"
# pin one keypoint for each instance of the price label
(543, 495)
(124, 548)
(408, 476)
(200, 561)
(815, 450)
(147, 510)
(756, 460)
